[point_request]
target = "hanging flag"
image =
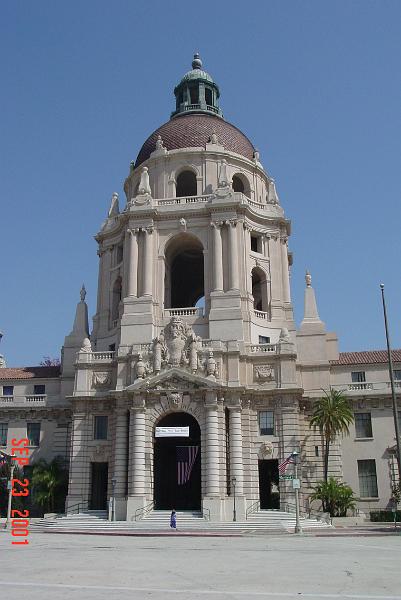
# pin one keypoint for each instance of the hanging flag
(283, 465)
(186, 457)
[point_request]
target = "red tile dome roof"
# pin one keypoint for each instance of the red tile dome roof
(194, 130)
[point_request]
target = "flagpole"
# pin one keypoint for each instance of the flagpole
(391, 373)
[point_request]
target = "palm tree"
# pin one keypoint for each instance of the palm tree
(49, 481)
(332, 414)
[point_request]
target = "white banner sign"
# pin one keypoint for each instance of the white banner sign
(172, 431)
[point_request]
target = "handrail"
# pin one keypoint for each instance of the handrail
(305, 512)
(206, 514)
(252, 508)
(144, 510)
(78, 505)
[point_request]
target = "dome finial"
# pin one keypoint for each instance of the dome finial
(197, 63)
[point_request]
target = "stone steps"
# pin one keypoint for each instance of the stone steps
(268, 521)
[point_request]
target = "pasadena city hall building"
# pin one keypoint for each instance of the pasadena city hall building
(194, 361)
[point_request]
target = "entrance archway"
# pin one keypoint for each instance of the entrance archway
(171, 489)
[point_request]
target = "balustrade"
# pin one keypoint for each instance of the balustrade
(184, 312)
(36, 399)
(270, 348)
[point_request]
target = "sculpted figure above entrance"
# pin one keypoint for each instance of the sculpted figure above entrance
(176, 346)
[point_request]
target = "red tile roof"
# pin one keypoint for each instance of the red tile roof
(30, 372)
(189, 131)
(366, 357)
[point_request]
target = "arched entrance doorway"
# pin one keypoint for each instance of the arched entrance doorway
(177, 465)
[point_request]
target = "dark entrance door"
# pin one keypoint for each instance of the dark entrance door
(99, 477)
(268, 484)
(168, 492)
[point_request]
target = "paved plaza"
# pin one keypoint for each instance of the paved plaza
(100, 567)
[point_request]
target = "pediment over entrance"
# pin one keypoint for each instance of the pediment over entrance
(174, 379)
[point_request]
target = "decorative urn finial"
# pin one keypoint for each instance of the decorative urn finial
(82, 293)
(197, 63)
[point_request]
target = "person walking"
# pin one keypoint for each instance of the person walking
(173, 520)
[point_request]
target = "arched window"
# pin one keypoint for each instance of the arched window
(184, 284)
(238, 184)
(186, 184)
(259, 290)
(241, 184)
(116, 299)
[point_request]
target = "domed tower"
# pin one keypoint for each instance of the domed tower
(202, 233)
(194, 316)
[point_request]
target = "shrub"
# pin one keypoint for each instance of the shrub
(384, 516)
(336, 497)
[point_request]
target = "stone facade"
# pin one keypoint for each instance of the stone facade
(194, 321)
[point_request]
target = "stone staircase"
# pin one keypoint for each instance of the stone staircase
(263, 521)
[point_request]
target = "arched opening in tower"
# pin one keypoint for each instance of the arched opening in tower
(186, 184)
(184, 281)
(116, 299)
(238, 184)
(259, 289)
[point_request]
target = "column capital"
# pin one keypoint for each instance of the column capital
(138, 404)
(216, 224)
(211, 400)
(133, 230)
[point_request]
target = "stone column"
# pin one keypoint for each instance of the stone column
(212, 446)
(233, 256)
(132, 287)
(137, 450)
(106, 266)
(236, 459)
(147, 274)
(217, 258)
(78, 472)
(285, 271)
(120, 452)
(276, 278)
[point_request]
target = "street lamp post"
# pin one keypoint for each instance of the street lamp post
(234, 481)
(298, 528)
(10, 495)
(113, 499)
(391, 373)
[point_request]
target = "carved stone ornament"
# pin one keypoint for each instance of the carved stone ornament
(100, 453)
(86, 346)
(177, 346)
(144, 195)
(264, 372)
(266, 449)
(101, 379)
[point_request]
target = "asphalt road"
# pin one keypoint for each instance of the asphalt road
(74, 567)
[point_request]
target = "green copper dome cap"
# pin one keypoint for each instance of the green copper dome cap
(197, 92)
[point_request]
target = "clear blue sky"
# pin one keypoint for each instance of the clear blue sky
(314, 84)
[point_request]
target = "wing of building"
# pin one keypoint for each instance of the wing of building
(194, 364)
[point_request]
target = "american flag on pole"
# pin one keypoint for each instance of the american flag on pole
(186, 457)
(283, 465)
